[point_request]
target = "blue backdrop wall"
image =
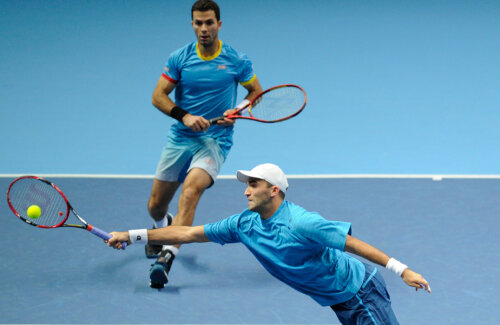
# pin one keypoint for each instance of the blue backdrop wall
(394, 87)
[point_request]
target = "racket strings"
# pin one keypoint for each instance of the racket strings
(278, 104)
(30, 191)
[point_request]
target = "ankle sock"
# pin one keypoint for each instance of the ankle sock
(171, 248)
(162, 223)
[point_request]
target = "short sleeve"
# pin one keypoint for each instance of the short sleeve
(224, 231)
(324, 232)
(246, 74)
(171, 70)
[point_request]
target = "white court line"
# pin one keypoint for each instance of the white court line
(436, 177)
(123, 176)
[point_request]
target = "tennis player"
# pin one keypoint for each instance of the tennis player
(298, 247)
(205, 75)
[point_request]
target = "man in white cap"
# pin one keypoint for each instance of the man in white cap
(298, 247)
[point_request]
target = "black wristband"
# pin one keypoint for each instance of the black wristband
(178, 113)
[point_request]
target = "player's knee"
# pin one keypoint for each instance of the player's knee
(156, 209)
(191, 193)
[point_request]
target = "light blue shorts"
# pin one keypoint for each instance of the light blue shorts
(181, 154)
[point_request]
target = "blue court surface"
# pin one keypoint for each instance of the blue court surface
(394, 88)
(445, 230)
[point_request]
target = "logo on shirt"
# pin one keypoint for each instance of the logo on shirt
(210, 161)
(221, 67)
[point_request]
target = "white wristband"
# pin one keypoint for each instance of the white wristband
(396, 266)
(138, 236)
(243, 103)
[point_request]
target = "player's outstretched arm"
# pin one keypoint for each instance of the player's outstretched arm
(172, 235)
(413, 279)
(117, 237)
(162, 236)
(360, 248)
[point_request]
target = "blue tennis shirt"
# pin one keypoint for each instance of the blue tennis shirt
(207, 86)
(298, 247)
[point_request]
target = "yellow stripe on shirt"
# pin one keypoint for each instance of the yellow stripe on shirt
(244, 83)
(211, 57)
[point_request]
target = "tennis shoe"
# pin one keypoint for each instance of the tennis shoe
(153, 251)
(158, 274)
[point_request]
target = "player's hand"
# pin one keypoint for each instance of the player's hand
(415, 280)
(227, 121)
(195, 122)
(117, 238)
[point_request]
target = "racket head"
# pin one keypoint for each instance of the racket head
(33, 190)
(275, 104)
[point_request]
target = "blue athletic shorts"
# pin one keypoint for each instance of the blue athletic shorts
(181, 154)
(371, 305)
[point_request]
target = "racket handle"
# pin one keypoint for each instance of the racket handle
(215, 119)
(102, 234)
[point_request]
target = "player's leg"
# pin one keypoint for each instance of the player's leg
(194, 185)
(161, 195)
(203, 170)
(196, 182)
(205, 166)
(172, 166)
(158, 204)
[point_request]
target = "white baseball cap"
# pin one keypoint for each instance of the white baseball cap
(268, 172)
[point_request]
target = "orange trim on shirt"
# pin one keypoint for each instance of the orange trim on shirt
(168, 78)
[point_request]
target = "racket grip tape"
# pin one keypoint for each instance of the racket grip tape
(102, 234)
(215, 119)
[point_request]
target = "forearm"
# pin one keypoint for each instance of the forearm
(253, 89)
(360, 248)
(252, 94)
(163, 103)
(161, 99)
(162, 236)
(177, 235)
(365, 250)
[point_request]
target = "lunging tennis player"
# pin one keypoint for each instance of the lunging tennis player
(298, 247)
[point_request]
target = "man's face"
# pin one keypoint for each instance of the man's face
(206, 27)
(258, 193)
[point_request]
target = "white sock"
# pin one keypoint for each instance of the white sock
(162, 223)
(171, 248)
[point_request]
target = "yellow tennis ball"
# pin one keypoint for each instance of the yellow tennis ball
(34, 211)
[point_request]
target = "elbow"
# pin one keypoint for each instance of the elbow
(157, 98)
(190, 236)
(195, 235)
(349, 247)
(154, 100)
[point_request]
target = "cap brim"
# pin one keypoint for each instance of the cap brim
(244, 175)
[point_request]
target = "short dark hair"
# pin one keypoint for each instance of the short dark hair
(206, 5)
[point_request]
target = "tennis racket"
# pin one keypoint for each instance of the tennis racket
(273, 105)
(32, 190)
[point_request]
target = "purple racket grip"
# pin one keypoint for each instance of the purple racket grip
(104, 235)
